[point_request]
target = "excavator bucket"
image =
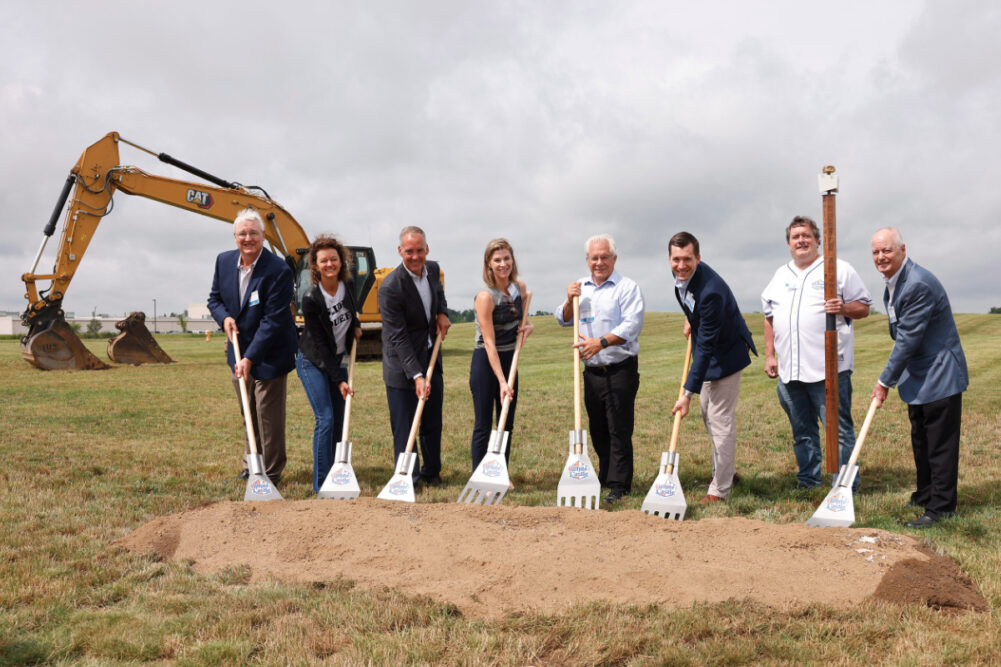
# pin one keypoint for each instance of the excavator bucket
(135, 345)
(55, 346)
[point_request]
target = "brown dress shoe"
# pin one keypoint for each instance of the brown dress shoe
(710, 498)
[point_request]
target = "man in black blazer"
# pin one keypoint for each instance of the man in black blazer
(413, 308)
(251, 296)
(720, 344)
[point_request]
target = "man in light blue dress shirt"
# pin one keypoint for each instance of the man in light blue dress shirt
(611, 317)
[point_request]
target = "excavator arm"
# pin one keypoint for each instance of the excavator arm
(89, 190)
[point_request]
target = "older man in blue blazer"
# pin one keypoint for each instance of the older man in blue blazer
(251, 296)
(928, 368)
(720, 345)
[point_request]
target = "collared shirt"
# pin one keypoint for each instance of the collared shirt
(794, 299)
(245, 273)
(891, 283)
(423, 286)
(614, 307)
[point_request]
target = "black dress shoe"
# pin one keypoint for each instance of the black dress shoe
(432, 481)
(926, 520)
(614, 496)
(243, 476)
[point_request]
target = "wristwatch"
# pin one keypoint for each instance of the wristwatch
(689, 393)
(604, 343)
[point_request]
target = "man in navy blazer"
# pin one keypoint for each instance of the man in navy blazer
(252, 292)
(720, 344)
(928, 368)
(413, 309)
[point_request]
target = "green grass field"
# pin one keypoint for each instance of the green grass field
(90, 456)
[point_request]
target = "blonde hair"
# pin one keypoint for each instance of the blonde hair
(492, 247)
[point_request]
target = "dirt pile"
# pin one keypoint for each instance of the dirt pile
(490, 561)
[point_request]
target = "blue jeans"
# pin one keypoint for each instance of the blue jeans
(328, 409)
(803, 402)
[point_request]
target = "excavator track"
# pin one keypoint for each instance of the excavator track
(136, 345)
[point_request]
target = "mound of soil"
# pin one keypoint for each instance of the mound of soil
(490, 561)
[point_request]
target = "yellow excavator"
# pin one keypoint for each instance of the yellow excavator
(52, 344)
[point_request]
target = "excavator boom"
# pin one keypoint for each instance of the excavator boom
(89, 189)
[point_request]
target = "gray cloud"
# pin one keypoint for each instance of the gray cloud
(540, 122)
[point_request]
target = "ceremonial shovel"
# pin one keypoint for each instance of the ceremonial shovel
(579, 486)
(666, 498)
(401, 484)
(259, 487)
(490, 481)
(838, 508)
(341, 483)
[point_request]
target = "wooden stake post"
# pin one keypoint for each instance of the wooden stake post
(828, 182)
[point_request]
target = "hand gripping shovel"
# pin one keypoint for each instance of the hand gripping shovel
(259, 487)
(579, 486)
(341, 483)
(838, 508)
(666, 498)
(490, 481)
(401, 484)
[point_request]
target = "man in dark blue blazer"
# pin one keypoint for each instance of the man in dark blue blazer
(720, 344)
(252, 292)
(928, 368)
(413, 309)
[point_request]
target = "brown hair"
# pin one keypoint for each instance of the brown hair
(492, 247)
(803, 221)
(683, 240)
(324, 242)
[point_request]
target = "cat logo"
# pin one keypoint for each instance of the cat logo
(200, 199)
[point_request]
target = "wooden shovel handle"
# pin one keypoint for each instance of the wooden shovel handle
(247, 422)
(513, 373)
(421, 401)
(576, 364)
(863, 432)
(676, 427)
(351, 385)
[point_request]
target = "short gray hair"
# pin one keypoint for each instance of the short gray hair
(249, 214)
(607, 238)
(412, 229)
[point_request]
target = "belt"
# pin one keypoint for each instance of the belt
(611, 368)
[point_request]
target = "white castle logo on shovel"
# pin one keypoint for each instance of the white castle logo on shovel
(666, 490)
(836, 503)
(398, 488)
(260, 488)
(492, 469)
(578, 471)
(340, 476)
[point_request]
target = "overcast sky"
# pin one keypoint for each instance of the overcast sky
(543, 122)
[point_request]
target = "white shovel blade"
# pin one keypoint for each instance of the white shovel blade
(579, 486)
(666, 498)
(837, 510)
(401, 484)
(341, 483)
(259, 487)
(488, 483)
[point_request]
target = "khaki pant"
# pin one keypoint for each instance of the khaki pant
(718, 400)
(267, 414)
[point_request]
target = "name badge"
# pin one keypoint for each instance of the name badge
(254, 298)
(892, 315)
(690, 301)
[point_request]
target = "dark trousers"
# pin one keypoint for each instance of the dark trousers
(609, 397)
(486, 400)
(935, 441)
(402, 408)
(267, 414)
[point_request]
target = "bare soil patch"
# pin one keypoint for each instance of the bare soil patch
(492, 561)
